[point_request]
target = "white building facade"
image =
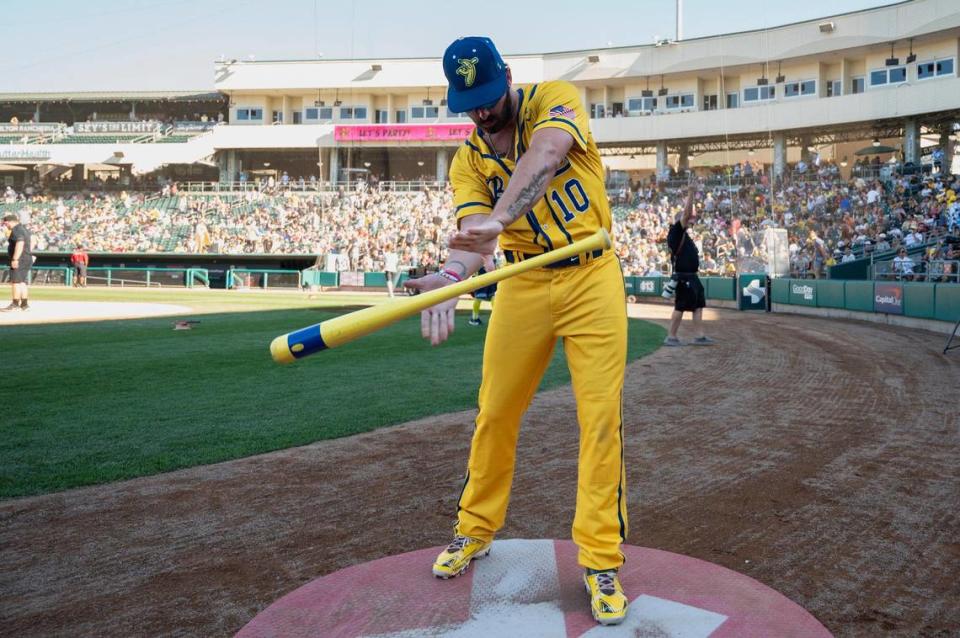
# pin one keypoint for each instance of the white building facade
(887, 73)
(826, 86)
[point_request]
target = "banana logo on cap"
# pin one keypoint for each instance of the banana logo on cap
(468, 69)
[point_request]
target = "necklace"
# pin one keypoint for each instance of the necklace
(496, 151)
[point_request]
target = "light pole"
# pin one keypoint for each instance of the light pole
(679, 20)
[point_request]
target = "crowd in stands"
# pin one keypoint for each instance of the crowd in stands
(358, 226)
(827, 220)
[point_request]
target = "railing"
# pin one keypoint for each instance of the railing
(117, 276)
(196, 276)
(943, 270)
(71, 187)
(110, 281)
(722, 180)
(149, 277)
(936, 270)
(294, 186)
(43, 275)
(261, 278)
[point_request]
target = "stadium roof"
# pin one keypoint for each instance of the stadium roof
(115, 96)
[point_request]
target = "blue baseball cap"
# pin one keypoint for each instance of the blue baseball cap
(476, 73)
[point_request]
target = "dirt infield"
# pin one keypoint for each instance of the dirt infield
(819, 457)
(70, 311)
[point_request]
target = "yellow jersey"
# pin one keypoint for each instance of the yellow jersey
(575, 204)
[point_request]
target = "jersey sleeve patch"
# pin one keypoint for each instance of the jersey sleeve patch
(558, 105)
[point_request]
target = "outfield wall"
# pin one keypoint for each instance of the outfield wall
(922, 305)
(917, 300)
(933, 306)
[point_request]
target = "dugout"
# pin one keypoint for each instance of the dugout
(217, 266)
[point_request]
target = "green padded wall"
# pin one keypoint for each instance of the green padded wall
(947, 302)
(858, 295)
(781, 291)
(374, 280)
(720, 288)
(830, 294)
(918, 300)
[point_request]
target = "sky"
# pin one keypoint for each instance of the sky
(142, 45)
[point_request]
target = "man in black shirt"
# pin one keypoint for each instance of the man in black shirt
(21, 259)
(690, 296)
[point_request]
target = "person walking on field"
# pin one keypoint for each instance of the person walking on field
(391, 264)
(689, 296)
(21, 261)
(529, 178)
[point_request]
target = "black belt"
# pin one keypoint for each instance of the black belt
(512, 257)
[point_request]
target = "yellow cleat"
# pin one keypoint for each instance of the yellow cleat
(455, 559)
(607, 600)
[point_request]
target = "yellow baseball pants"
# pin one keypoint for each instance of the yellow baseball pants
(585, 306)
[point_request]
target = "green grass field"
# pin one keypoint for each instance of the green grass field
(89, 403)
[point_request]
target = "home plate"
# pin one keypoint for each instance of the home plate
(532, 588)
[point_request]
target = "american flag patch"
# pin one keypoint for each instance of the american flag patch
(562, 111)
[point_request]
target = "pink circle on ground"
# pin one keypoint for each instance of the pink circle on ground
(532, 588)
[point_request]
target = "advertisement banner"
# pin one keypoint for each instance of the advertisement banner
(403, 133)
(888, 298)
(30, 128)
(29, 155)
(116, 127)
(193, 126)
(802, 293)
(753, 291)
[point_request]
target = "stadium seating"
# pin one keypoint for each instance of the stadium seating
(730, 223)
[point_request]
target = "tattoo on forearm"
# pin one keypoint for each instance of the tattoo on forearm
(528, 195)
(458, 267)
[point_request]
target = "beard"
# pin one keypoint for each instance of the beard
(499, 121)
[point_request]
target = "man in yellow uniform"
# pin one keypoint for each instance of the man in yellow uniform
(530, 177)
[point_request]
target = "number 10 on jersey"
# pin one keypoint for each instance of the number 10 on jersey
(576, 199)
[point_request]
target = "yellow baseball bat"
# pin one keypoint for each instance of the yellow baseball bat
(345, 328)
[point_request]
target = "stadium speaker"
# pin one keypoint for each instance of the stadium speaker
(593, 59)
(781, 79)
(892, 60)
(826, 27)
(762, 81)
(646, 93)
(663, 91)
(911, 58)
